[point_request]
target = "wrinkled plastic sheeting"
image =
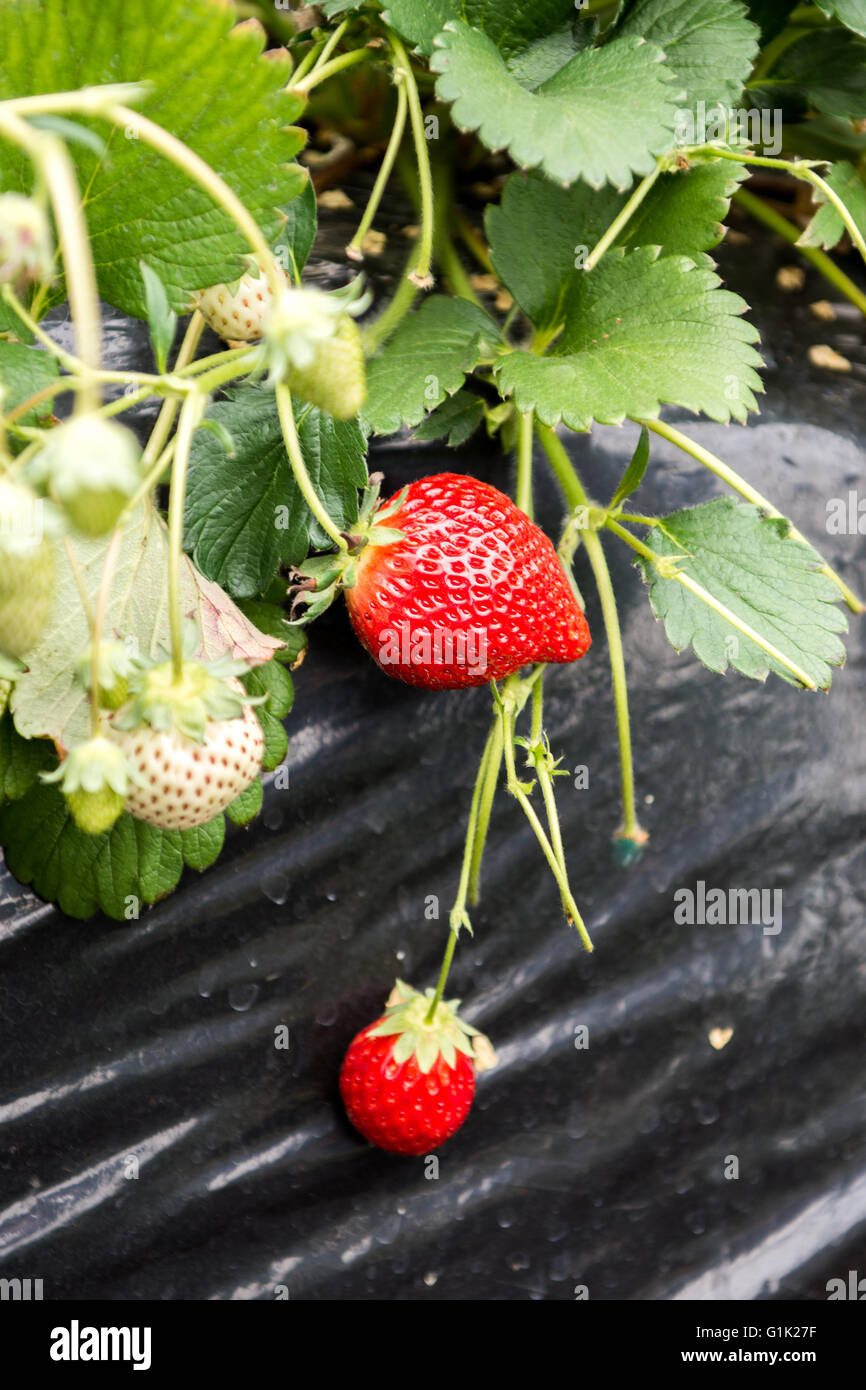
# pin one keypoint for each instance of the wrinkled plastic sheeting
(156, 1143)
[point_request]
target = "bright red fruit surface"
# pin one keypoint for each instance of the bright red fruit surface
(397, 1106)
(472, 593)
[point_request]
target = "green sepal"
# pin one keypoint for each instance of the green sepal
(406, 1020)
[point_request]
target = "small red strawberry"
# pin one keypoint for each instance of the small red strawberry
(407, 1084)
(237, 312)
(451, 585)
(193, 744)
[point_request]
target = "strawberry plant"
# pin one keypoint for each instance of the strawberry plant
(162, 574)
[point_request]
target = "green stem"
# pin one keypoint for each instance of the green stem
(473, 242)
(523, 494)
(576, 495)
(380, 330)
(165, 419)
(421, 271)
(354, 250)
(760, 210)
(331, 44)
(99, 624)
(622, 218)
(443, 976)
(321, 74)
(299, 468)
(733, 480)
(190, 415)
(669, 571)
(485, 808)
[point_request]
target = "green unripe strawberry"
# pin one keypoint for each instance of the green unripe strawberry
(92, 467)
(26, 570)
(95, 779)
(335, 381)
(95, 812)
(26, 249)
(313, 345)
(115, 668)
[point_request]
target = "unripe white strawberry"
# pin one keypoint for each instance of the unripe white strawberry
(92, 467)
(237, 312)
(188, 763)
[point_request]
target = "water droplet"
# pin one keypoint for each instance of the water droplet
(430, 1279)
(401, 955)
(505, 1218)
(276, 887)
(243, 996)
(519, 1261)
(272, 817)
(332, 897)
(326, 1015)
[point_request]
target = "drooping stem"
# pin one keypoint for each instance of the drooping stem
(420, 272)
(338, 64)
(523, 493)
(622, 218)
(576, 495)
(99, 624)
(745, 489)
(165, 419)
(485, 808)
(190, 415)
(762, 212)
(299, 468)
(355, 247)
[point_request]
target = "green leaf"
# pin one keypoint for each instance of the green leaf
(24, 371)
(541, 234)
(603, 117)
(270, 618)
(274, 681)
(850, 12)
(426, 360)
(750, 564)
(245, 515)
(21, 759)
(209, 86)
(456, 418)
(512, 25)
(640, 332)
(825, 68)
(711, 45)
(201, 844)
(48, 699)
(299, 232)
(633, 475)
(246, 806)
(161, 319)
(119, 872)
(827, 228)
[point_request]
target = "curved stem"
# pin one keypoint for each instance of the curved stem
(762, 212)
(299, 468)
(165, 419)
(354, 250)
(190, 415)
(733, 480)
(485, 808)
(321, 74)
(420, 274)
(623, 217)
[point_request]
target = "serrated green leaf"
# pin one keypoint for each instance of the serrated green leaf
(541, 234)
(210, 87)
(24, 371)
(826, 69)
(511, 25)
(633, 475)
(201, 844)
(711, 45)
(850, 12)
(826, 228)
(161, 319)
(299, 232)
(272, 680)
(48, 698)
(456, 418)
(749, 563)
(21, 759)
(425, 361)
(246, 806)
(640, 332)
(603, 117)
(245, 515)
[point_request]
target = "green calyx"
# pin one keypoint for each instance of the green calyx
(164, 700)
(115, 669)
(444, 1037)
(300, 320)
(322, 579)
(95, 779)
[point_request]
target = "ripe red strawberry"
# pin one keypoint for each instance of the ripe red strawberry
(408, 1085)
(192, 746)
(237, 312)
(472, 592)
